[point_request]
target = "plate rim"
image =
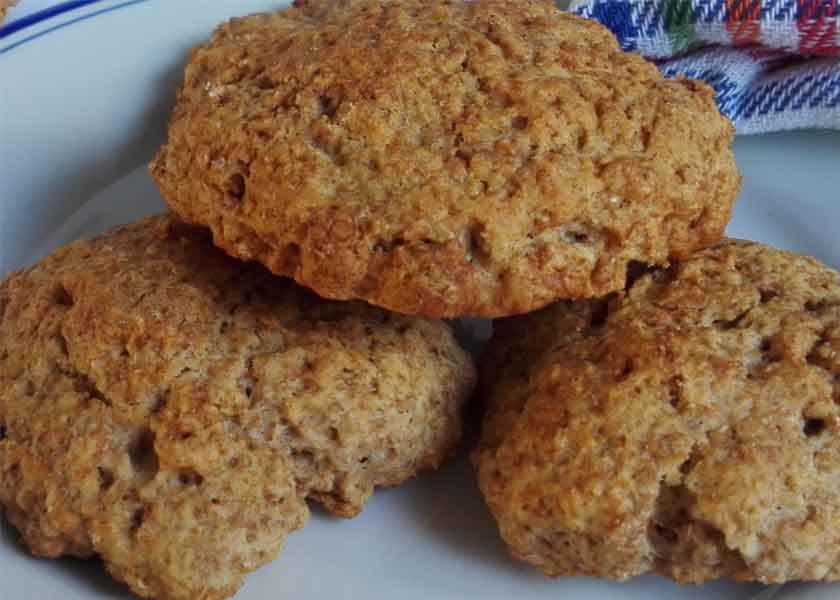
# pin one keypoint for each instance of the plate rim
(33, 26)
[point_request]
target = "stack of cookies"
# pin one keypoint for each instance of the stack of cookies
(343, 175)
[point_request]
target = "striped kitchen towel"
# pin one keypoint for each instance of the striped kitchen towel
(775, 64)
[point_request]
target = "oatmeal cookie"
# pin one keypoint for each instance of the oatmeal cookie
(444, 158)
(169, 408)
(689, 426)
(5, 5)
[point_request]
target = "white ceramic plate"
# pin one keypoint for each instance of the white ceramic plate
(84, 97)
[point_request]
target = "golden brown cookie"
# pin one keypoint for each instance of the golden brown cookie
(444, 158)
(689, 427)
(5, 5)
(169, 408)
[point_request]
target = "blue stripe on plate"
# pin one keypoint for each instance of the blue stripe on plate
(67, 23)
(42, 15)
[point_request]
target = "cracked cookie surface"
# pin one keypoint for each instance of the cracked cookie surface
(169, 408)
(444, 158)
(688, 426)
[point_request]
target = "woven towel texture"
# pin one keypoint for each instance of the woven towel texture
(775, 64)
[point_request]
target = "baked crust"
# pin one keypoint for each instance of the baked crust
(690, 426)
(444, 158)
(169, 408)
